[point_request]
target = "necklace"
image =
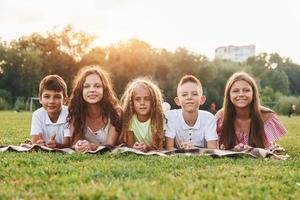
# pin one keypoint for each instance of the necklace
(95, 123)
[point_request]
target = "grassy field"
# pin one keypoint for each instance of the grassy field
(59, 176)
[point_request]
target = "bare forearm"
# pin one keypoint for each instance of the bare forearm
(213, 144)
(94, 146)
(60, 146)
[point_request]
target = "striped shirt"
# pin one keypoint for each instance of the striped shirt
(273, 128)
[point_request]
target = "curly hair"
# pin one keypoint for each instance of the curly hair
(109, 104)
(256, 134)
(156, 115)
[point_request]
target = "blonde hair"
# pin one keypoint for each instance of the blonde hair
(190, 79)
(156, 113)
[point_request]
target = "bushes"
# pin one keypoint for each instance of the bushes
(5, 99)
(21, 104)
(4, 105)
(269, 97)
(284, 103)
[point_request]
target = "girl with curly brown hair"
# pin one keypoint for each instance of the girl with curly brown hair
(94, 111)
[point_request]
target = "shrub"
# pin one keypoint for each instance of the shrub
(269, 97)
(4, 105)
(6, 95)
(284, 103)
(20, 104)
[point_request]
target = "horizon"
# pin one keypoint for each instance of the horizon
(199, 26)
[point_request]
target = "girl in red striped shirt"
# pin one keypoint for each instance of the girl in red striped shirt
(243, 122)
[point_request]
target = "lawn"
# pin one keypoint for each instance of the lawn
(42, 175)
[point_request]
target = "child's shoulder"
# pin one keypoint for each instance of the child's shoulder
(173, 116)
(267, 114)
(204, 115)
(65, 109)
(173, 113)
(40, 111)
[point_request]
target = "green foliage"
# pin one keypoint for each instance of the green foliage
(5, 95)
(42, 175)
(4, 105)
(21, 104)
(284, 104)
(269, 98)
(276, 79)
(293, 72)
(25, 61)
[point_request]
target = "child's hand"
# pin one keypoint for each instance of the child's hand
(140, 146)
(40, 140)
(82, 146)
(52, 142)
(241, 146)
(186, 145)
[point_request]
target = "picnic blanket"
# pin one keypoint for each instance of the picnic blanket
(277, 153)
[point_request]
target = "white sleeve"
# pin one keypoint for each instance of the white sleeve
(211, 130)
(170, 129)
(36, 125)
(67, 132)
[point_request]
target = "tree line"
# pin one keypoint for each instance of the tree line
(26, 60)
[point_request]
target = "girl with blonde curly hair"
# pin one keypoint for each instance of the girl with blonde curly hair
(143, 116)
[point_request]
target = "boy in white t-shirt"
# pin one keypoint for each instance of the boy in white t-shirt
(49, 123)
(189, 126)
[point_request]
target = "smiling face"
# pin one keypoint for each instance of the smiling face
(241, 94)
(92, 89)
(189, 97)
(52, 102)
(142, 103)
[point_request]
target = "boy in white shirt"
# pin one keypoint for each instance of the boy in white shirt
(49, 123)
(189, 126)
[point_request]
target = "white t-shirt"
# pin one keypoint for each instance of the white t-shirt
(99, 136)
(204, 129)
(41, 123)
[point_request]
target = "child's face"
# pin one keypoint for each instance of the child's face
(52, 101)
(241, 94)
(142, 103)
(92, 89)
(189, 97)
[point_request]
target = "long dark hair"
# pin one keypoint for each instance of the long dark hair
(256, 133)
(109, 104)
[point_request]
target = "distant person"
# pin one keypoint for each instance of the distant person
(49, 123)
(143, 119)
(243, 122)
(188, 127)
(94, 111)
(213, 108)
(292, 110)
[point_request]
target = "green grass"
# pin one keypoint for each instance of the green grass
(42, 175)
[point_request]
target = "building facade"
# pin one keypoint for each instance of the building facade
(235, 53)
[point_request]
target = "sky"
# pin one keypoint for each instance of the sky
(198, 25)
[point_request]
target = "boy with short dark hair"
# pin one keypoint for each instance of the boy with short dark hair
(189, 126)
(49, 123)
